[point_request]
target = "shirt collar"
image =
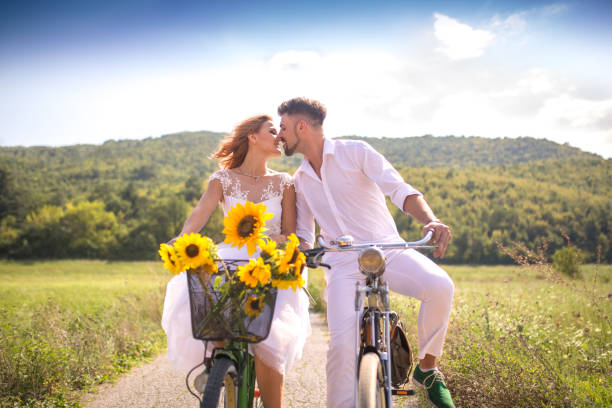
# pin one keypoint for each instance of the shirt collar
(329, 147)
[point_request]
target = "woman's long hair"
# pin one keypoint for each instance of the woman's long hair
(233, 149)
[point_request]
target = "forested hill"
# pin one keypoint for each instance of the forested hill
(423, 151)
(452, 151)
(121, 198)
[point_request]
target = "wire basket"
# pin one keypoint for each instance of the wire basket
(218, 316)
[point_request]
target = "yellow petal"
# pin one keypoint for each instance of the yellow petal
(251, 247)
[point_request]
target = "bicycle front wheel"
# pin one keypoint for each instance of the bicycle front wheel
(370, 391)
(221, 390)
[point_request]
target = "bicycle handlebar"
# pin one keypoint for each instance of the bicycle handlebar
(313, 256)
(334, 247)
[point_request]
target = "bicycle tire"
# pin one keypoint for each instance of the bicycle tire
(221, 390)
(370, 391)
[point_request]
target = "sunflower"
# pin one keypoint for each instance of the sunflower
(254, 306)
(254, 272)
(194, 250)
(269, 249)
(209, 266)
(291, 252)
(294, 284)
(208, 263)
(245, 225)
(169, 256)
(300, 261)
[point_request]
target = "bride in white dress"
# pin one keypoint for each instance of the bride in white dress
(245, 177)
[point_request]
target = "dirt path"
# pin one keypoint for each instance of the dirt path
(157, 385)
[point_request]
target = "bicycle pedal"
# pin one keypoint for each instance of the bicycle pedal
(403, 392)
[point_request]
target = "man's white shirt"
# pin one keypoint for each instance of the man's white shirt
(349, 198)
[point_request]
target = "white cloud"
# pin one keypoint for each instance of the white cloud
(537, 81)
(580, 114)
(459, 40)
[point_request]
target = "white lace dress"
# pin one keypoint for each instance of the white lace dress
(290, 324)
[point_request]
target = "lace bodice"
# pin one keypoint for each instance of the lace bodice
(266, 189)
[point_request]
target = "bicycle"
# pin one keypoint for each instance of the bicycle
(374, 318)
(229, 378)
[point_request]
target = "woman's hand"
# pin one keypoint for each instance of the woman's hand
(172, 241)
(279, 238)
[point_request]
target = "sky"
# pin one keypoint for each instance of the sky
(85, 72)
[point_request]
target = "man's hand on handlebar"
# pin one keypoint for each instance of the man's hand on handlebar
(441, 236)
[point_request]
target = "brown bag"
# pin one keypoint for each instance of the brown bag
(401, 355)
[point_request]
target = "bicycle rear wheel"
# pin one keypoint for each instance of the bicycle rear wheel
(221, 390)
(370, 391)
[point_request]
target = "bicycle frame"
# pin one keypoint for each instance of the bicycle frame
(368, 331)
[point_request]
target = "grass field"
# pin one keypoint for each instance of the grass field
(67, 325)
(518, 336)
(523, 336)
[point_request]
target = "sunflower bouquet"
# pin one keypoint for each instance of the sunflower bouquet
(234, 299)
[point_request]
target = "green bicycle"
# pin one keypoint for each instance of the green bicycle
(228, 379)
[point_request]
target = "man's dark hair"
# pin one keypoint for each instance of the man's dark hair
(314, 110)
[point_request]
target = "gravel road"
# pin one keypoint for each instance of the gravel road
(157, 385)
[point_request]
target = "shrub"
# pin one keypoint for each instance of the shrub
(567, 261)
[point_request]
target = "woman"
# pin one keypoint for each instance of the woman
(245, 177)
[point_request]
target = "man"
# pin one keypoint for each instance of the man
(342, 185)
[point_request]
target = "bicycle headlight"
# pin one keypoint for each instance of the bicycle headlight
(371, 261)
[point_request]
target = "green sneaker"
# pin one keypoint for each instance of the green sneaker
(433, 382)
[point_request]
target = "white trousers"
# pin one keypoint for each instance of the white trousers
(409, 273)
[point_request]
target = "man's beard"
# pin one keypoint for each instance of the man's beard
(289, 151)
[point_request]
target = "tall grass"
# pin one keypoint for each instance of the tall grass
(521, 338)
(67, 325)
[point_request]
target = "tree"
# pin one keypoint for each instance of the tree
(91, 231)
(567, 261)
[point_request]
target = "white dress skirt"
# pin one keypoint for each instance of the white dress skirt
(290, 323)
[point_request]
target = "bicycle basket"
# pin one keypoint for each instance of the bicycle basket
(218, 316)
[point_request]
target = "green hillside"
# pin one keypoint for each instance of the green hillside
(121, 198)
(461, 152)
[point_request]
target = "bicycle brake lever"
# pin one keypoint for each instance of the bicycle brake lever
(316, 265)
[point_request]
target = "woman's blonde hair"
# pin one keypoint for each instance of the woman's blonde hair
(233, 148)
